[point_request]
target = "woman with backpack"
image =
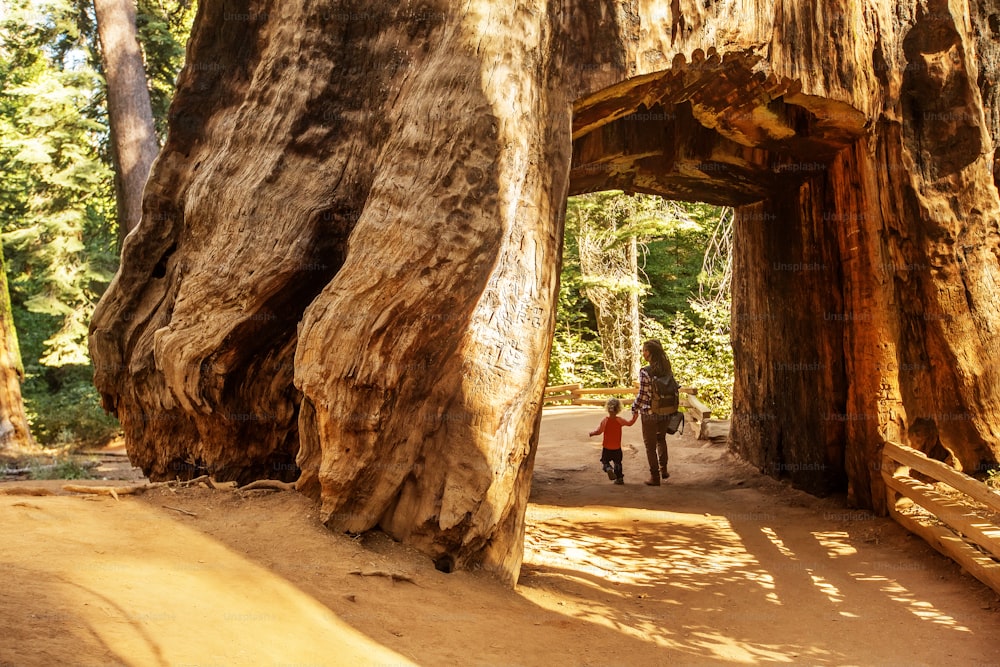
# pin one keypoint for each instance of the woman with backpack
(654, 426)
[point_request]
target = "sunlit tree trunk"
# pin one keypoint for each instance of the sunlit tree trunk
(14, 432)
(635, 326)
(130, 115)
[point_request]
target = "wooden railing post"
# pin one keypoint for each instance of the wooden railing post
(694, 409)
(958, 532)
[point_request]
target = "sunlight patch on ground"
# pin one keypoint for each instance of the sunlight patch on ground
(777, 542)
(923, 610)
(727, 649)
(631, 565)
(635, 567)
(832, 593)
(650, 538)
(837, 543)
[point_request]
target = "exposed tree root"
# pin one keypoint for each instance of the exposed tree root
(25, 491)
(394, 576)
(113, 491)
(269, 484)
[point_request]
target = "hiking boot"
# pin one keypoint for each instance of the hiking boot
(652, 481)
(663, 473)
(620, 480)
(610, 470)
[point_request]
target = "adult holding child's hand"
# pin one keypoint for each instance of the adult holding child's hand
(654, 424)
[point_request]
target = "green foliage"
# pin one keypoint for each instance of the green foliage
(65, 469)
(56, 203)
(603, 233)
(163, 30)
(695, 333)
(64, 408)
(674, 260)
(697, 344)
(576, 348)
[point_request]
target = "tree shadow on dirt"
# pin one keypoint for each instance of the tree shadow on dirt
(713, 571)
(710, 589)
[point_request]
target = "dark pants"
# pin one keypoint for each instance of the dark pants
(654, 437)
(614, 457)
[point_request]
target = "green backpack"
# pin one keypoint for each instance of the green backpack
(666, 394)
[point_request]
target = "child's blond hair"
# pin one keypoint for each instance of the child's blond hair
(613, 406)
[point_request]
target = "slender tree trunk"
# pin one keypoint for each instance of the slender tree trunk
(635, 325)
(14, 432)
(130, 114)
(613, 277)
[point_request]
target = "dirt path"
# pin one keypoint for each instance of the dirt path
(719, 566)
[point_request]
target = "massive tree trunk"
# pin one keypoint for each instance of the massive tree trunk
(130, 114)
(352, 277)
(14, 432)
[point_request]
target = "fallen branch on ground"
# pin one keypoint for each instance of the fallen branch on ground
(113, 491)
(178, 509)
(269, 484)
(394, 576)
(25, 491)
(204, 481)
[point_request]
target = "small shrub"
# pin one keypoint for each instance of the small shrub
(71, 415)
(66, 469)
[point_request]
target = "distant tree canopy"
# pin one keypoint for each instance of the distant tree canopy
(57, 201)
(670, 289)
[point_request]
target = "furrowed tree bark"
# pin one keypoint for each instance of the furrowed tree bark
(14, 431)
(359, 221)
(130, 114)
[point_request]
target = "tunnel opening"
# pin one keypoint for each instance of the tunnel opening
(724, 132)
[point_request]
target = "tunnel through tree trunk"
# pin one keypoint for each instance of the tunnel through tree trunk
(347, 264)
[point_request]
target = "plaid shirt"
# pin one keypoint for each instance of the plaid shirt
(643, 403)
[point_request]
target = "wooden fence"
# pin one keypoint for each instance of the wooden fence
(694, 410)
(956, 529)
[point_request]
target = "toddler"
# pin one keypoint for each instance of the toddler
(611, 427)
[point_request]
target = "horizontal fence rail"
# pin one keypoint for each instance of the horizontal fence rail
(574, 394)
(959, 532)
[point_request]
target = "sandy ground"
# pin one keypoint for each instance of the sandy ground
(718, 566)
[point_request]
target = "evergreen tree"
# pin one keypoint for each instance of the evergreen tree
(671, 287)
(57, 198)
(130, 114)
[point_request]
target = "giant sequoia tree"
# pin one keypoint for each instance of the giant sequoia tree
(14, 431)
(348, 257)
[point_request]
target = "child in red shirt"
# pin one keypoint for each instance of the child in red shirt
(611, 427)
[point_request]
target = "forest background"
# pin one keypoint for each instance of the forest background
(635, 266)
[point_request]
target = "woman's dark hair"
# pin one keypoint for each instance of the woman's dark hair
(658, 362)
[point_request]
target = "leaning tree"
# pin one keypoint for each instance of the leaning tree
(349, 252)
